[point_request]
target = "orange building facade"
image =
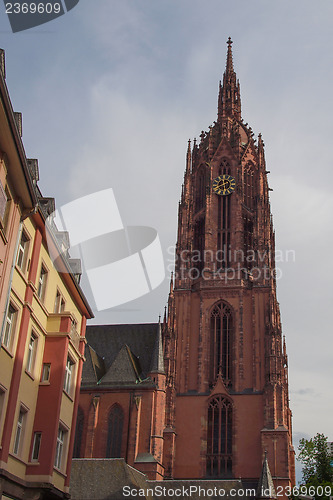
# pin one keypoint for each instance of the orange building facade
(43, 321)
(219, 399)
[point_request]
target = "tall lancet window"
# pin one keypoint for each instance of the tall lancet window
(223, 222)
(249, 186)
(221, 329)
(219, 438)
(115, 432)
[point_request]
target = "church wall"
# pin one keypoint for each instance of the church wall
(140, 408)
(190, 415)
(191, 440)
(96, 407)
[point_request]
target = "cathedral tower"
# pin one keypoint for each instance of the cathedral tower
(225, 359)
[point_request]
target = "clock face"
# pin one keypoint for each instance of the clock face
(224, 184)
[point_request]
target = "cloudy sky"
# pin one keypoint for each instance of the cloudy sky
(112, 91)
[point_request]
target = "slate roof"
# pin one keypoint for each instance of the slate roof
(118, 355)
(265, 486)
(104, 479)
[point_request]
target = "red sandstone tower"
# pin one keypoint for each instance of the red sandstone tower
(226, 363)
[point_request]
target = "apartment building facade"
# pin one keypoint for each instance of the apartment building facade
(43, 321)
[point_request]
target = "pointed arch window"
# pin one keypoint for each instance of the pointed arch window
(224, 220)
(221, 333)
(78, 433)
(249, 186)
(219, 438)
(115, 432)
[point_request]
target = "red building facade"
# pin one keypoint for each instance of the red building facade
(219, 400)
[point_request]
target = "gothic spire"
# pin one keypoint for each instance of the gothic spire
(229, 103)
(265, 488)
(188, 157)
(157, 362)
(229, 67)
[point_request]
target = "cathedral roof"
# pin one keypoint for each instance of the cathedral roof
(121, 354)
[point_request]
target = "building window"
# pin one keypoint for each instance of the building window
(59, 304)
(74, 326)
(78, 433)
(32, 348)
(2, 401)
(6, 211)
(10, 327)
(19, 431)
(22, 254)
(36, 446)
(42, 283)
(68, 375)
(3, 201)
(219, 438)
(115, 432)
(249, 186)
(46, 372)
(221, 328)
(58, 461)
(224, 221)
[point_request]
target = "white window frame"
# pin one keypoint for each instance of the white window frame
(46, 373)
(36, 447)
(60, 447)
(42, 282)
(19, 433)
(22, 253)
(69, 374)
(32, 352)
(10, 324)
(6, 215)
(59, 303)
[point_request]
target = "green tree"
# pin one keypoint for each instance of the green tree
(316, 459)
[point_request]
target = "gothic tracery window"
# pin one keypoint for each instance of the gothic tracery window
(115, 432)
(223, 223)
(221, 327)
(249, 186)
(219, 438)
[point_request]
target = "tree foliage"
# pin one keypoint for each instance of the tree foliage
(316, 459)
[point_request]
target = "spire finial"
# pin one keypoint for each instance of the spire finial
(229, 101)
(230, 66)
